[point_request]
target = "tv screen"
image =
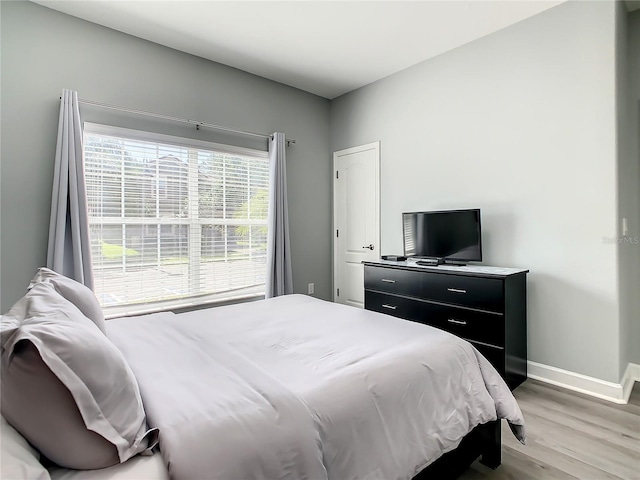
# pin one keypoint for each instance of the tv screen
(451, 235)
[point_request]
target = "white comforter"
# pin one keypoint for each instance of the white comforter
(298, 388)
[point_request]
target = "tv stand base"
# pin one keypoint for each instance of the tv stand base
(431, 262)
(454, 263)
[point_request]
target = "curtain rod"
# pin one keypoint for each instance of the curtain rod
(177, 119)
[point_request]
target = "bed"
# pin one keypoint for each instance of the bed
(299, 388)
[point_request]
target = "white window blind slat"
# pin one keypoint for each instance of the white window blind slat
(170, 222)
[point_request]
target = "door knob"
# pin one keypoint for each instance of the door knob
(370, 246)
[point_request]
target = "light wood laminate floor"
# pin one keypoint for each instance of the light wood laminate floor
(569, 436)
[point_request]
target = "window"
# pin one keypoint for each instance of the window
(174, 221)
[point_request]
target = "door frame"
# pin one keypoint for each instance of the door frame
(360, 148)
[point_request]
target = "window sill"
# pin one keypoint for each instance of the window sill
(179, 306)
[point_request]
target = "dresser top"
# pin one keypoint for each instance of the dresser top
(467, 269)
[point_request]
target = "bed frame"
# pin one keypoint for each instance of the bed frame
(484, 441)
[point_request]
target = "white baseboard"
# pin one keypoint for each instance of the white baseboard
(613, 392)
(631, 375)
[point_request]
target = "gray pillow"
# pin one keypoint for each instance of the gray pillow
(78, 294)
(66, 388)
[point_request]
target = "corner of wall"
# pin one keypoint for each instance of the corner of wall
(628, 185)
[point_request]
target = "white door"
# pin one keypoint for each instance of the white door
(356, 217)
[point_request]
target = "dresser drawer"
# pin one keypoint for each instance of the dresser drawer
(392, 280)
(478, 326)
(392, 305)
(494, 355)
(473, 292)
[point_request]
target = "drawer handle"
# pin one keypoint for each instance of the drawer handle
(386, 280)
(457, 322)
(456, 290)
(390, 307)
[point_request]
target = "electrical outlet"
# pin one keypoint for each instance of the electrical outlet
(311, 289)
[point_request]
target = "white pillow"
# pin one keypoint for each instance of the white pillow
(78, 294)
(136, 468)
(65, 387)
(19, 459)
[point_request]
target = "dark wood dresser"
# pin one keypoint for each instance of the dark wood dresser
(485, 305)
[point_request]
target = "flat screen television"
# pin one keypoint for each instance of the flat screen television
(450, 236)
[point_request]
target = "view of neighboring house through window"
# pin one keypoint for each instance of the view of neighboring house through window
(174, 220)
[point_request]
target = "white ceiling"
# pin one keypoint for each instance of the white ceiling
(323, 47)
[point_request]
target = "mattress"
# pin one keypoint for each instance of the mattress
(298, 388)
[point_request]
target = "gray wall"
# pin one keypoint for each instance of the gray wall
(521, 123)
(44, 51)
(629, 184)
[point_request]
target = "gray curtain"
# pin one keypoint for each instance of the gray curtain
(279, 279)
(69, 251)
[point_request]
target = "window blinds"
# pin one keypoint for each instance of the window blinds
(172, 219)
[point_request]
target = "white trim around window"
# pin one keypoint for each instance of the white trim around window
(174, 222)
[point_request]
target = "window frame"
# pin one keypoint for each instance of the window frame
(192, 301)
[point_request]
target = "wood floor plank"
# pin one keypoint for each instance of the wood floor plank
(549, 457)
(570, 436)
(591, 450)
(521, 466)
(625, 436)
(612, 416)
